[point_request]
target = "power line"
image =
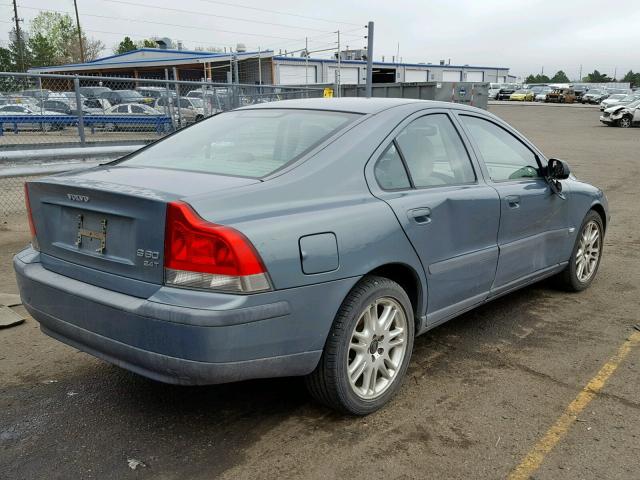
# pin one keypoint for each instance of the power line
(190, 27)
(190, 12)
(276, 12)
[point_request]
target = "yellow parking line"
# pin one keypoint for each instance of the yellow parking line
(536, 455)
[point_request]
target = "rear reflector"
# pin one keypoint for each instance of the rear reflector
(199, 254)
(32, 227)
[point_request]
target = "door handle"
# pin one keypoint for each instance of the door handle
(513, 201)
(420, 215)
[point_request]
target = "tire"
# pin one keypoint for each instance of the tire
(569, 279)
(352, 343)
(624, 122)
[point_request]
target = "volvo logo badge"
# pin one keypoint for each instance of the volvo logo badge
(77, 198)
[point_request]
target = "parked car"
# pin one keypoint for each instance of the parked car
(494, 89)
(311, 237)
(619, 100)
(117, 97)
(37, 93)
(579, 91)
(188, 110)
(96, 106)
(626, 91)
(129, 111)
(506, 90)
(59, 106)
(21, 110)
(624, 116)
(522, 95)
(94, 92)
(541, 96)
(560, 95)
(156, 92)
(216, 98)
(595, 95)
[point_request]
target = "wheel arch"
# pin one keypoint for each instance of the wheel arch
(407, 277)
(599, 209)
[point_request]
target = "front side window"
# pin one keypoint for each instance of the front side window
(247, 143)
(505, 157)
(137, 109)
(434, 152)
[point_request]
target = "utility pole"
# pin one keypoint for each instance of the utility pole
(580, 74)
(19, 39)
(338, 72)
(369, 58)
(75, 5)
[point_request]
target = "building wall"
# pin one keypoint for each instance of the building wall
(434, 73)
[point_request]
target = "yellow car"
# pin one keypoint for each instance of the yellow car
(523, 96)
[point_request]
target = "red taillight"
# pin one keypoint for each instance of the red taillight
(32, 227)
(199, 254)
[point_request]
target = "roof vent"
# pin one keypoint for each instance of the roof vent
(164, 43)
(241, 48)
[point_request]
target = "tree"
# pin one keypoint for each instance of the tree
(632, 78)
(125, 46)
(560, 77)
(597, 77)
(43, 53)
(147, 43)
(20, 55)
(61, 32)
(540, 78)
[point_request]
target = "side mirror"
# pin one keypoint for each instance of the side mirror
(558, 169)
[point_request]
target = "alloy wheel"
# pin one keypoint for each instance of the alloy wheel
(377, 348)
(588, 252)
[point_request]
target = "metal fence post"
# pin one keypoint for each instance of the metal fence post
(168, 102)
(80, 113)
(175, 77)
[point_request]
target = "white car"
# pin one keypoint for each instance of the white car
(624, 116)
(494, 90)
(23, 112)
(128, 113)
(541, 96)
(611, 100)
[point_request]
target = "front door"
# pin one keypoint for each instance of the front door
(449, 215)
(533, 219)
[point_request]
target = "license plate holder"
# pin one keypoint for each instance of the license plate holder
(85, 233)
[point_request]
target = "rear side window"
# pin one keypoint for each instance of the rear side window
(506, 157)
(247, 143)
(434, 152)
(389, 170)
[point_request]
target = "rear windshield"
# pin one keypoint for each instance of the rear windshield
(246, 143)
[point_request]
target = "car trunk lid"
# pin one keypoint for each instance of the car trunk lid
(112, 219)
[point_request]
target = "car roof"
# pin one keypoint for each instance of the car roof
(352, 104)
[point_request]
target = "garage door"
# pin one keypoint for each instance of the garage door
(296, 74)
(475, 77)
(414, 75)
(451, 76)
(348, 75)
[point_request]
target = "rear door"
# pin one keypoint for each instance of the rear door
(449, 214)
(533, 220)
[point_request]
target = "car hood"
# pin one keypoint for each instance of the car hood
(615, 108)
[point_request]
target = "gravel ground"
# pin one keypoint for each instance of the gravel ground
(481, 389)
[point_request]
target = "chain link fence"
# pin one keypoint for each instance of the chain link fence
(38, 110)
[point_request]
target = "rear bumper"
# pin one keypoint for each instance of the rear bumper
(232, 338)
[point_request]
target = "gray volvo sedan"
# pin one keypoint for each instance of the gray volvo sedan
(311, 237)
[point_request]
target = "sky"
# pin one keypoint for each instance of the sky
(526, 36)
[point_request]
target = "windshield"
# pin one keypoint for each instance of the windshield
(522, 91)
(595, 92)
(196, 102)
(634, 104)
(246, 143)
